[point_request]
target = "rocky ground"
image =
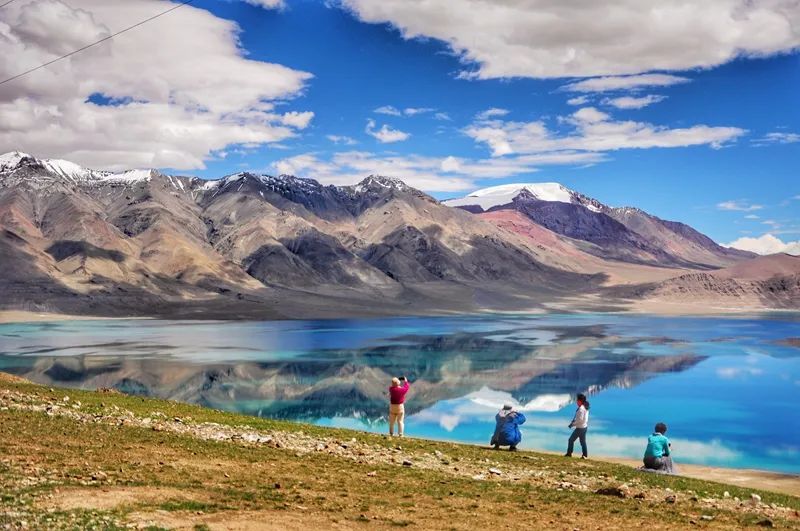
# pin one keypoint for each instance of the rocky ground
(72, 459)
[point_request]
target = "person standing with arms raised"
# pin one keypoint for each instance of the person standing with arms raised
(397, 398)
(581, 423)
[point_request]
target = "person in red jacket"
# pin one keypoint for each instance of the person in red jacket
(397, 398)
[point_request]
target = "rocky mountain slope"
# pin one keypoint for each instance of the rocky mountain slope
(767, 282)
(140, 242)
(622, 234)
(146, 243)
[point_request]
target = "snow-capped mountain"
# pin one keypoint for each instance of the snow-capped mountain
(141, 242)
(628, 234)
(505, 194)
(16, 161)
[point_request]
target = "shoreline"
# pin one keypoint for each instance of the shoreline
(22, 316)
(780, 482)
(755, 478)
(656, 310)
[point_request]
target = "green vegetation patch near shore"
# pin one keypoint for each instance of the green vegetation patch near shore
(77, 459)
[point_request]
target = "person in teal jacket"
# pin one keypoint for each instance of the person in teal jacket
(658, 455)
(506, 431)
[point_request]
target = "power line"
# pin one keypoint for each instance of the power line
(173, 8)
(9, 1)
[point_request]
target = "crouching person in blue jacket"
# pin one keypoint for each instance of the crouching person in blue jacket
(506, 431)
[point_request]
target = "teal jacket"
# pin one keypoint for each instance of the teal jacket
(657, 446)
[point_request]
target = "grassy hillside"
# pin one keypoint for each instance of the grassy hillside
(72, 459)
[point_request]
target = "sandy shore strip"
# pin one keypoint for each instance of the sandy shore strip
(740, 477)
(21, 316)
(780, 482)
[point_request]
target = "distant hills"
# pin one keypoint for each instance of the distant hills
(80, 241)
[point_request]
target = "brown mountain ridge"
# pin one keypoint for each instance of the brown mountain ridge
(143, 243)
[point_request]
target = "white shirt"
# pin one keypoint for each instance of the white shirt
(581, 418)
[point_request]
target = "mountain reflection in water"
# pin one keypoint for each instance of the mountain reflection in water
(716, 381)
(352, 382)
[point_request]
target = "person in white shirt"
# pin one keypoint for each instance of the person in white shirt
(581, 423)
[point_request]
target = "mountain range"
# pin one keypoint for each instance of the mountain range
(143, 243)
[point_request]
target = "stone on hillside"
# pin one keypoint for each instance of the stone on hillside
(495, 471)
(611, 491)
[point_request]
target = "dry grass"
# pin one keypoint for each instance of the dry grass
(59, 472)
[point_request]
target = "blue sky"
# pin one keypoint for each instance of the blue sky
(702, 129)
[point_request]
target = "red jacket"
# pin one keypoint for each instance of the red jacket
(398, 394)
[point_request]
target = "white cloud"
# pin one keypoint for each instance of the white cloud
(611, 83)
(341, 139)
(388, 109)
(432, 174)
(494, 112)
(306, 165)
(590, 115)
(752, 216)
(385, 134)
(766, 244)
(350, 167)
(735, 372)
(450, 164)
(548, 39)
(738, 205)
(300, 120)
(592, 131)
(442, 116)
(267, 4)
(777, 138)
(171, 107)
(578, 100)
(408, 111)
(413, 111)
(630, 102)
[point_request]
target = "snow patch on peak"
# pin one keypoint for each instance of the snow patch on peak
(133, 176)
(67, 169)
(10, 160)
(504, 194)
(374, 182)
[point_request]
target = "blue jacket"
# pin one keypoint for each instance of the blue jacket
(657, 446)
(506, 432)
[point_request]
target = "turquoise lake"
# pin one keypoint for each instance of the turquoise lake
(727, 387)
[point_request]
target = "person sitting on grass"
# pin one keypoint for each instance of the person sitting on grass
(657, 455)
(506, 431)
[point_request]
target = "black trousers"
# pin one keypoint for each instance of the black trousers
(579, 433)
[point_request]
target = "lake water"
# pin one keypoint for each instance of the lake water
(727, 387)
